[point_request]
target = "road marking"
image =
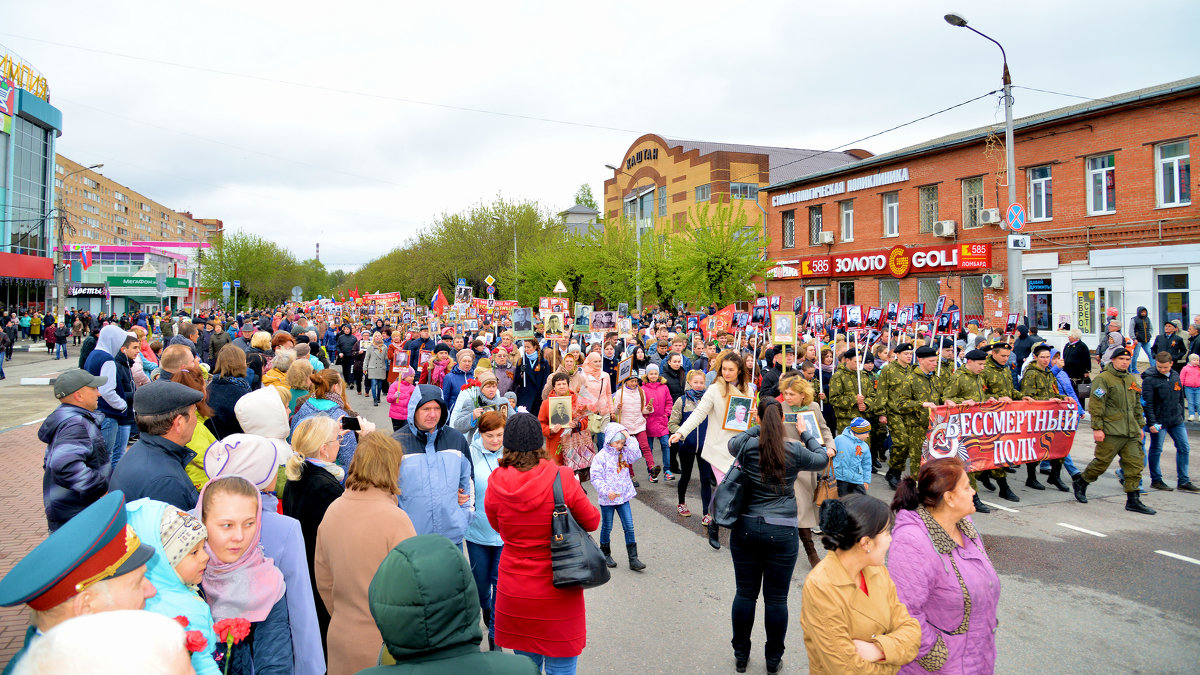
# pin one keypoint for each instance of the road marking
(37, 381)
(1080, 529)
(40, 419)
(1184, 558)
(1002, 508)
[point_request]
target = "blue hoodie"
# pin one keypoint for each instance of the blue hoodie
(852, 463)
(436, 466)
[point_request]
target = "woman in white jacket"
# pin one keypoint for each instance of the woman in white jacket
(733, 379)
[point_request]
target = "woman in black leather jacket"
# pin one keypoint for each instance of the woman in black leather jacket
(765, 543)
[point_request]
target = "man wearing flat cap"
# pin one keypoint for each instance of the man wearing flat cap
(1040, 384)
(93, 563)
(154, 467)
(77, 464)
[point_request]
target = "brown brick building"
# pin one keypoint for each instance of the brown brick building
(1106, 185)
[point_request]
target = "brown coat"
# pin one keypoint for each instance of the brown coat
(834, 611)
(806, 481)
(358, 530)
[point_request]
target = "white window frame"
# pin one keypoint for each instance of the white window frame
(1175, 162)
(1041, 194)
(706, 189)
(891, 214)
(789, 229)
(1105, 208)
(970, 216)
(819, 220)
(846, 219)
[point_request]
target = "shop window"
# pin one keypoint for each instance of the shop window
(662, 202)
(972, 189)
(789, 229)
(847, 212)
(927, 202)
(814, 225)
(846, 293)
(1037, 302)
(743, 191)
(1041, 194)
(972, 299)
(889, 291)
(815, 297)
(928, 291)
(1173, 302)
(1173, 175)
(703, 192)
(891, 214)
(1102, 184)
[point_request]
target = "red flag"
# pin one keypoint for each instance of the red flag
(439, 303)
(717, 323)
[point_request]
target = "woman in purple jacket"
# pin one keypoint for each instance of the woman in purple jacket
(942, 572)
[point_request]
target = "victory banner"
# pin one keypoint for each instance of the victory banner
(993, 435)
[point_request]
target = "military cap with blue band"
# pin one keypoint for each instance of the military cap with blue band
(95, 545)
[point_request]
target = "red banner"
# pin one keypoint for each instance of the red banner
(898, 261)
(992, 435)
(717, 323)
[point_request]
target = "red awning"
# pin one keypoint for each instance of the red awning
(26, 266)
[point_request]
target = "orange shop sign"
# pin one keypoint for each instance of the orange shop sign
(899, 261)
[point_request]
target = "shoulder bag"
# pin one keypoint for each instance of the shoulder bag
(575, 560)
(730, 494)
(826, 485)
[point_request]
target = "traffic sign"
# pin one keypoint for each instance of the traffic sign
(462, 281)
(225, 285)
(560, 287)
(491, 289)
(1016, 216)
(489, 281)
(237, 284)
(1019, 242)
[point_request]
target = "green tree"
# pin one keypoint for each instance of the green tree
(584, 197)
(717, 256)
(267, 271)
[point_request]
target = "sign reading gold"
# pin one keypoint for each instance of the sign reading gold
(25, 76)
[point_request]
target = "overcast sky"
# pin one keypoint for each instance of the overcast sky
(268, 146)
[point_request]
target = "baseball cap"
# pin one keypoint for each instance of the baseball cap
(75, 379)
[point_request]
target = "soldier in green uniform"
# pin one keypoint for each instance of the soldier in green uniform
(93, 563)
(946, 365)
(966, 388)
(889, 378)
(878, 431)
(843, 391)
(1117, 425)
(998, 378)
(911, 398)
(1039, 384)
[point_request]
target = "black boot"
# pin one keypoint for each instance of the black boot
(810, 550)
(893, 478)
(606, 549)
(1055, 478)
(980, 507)
(1031, 481)
(1080, 487)
(714, 535)
(985, 479)
(1134, 503)
(1006, 492)
(634, 564)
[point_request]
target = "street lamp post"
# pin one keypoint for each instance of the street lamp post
(1014, 255)
(60, 282)
(637, 235)
(516, 282)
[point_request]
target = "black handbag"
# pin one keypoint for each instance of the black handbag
(731, 494)
(575, 559)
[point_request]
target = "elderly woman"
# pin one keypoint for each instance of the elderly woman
(375, 366)
(282, 340)
(483, 390)
(257, 357)
(277, 375)
(228, 384)
(942, 571)
(298, 383)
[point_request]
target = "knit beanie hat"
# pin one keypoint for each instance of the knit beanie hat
(485, 376)
(859, 426)
(523, 433)
(180, 531)
(255, 458)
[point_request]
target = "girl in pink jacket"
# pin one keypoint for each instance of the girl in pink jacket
(398, 394)
(658, 400)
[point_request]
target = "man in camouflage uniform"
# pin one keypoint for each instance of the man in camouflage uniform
(998, 378)
(1040, 384)
(965, 388)
(843, 392)
(1117, 425)
(911, 398)
(890, 378)
(946, 366)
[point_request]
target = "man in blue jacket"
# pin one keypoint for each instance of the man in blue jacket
(77, 466)
(435, 477)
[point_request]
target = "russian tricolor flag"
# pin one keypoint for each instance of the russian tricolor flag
(86, 258)
(439, 303)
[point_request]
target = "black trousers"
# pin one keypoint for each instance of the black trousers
(845, 488)
(687, 459)
(764, 557)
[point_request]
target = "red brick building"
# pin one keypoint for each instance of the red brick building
(1106, 186)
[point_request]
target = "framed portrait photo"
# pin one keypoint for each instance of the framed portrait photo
(783, 328)
(625, 328)
(625, 369)
(559, 410)
(554, 323)
(400, 361)
(738, 413)
(425, 356)
(522, 318)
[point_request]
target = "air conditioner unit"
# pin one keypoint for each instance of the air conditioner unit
(993, 281)
(944, 228)
(989, 216)
(825, 238)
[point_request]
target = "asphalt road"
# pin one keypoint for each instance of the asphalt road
(1072, 601)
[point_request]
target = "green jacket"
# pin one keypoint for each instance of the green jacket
(1039, 384)
(908, 398)
(1116, 403)
(964, 386)
(943, 378)
(424, 602)
(998, 379)
(843, 393)
(890, 377)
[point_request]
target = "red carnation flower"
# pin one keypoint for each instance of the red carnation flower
(232, 630)
(195, 641)
(183, 621)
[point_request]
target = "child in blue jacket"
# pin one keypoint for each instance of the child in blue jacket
(852, 463)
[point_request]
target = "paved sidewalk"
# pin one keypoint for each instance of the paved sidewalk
(22, 521)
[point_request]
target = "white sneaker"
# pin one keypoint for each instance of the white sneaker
(1191, 417)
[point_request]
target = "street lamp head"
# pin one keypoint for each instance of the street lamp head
(95, 166)
(610, 166)
(955, 19)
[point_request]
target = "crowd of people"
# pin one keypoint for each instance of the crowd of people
(213, 469)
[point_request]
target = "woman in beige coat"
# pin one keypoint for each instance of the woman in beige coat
(796, 394)
(358, 530)
(852, 618)
(733, 379)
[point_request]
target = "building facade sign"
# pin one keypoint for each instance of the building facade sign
(26, 77)
(146, 282)
(898, 262)
(640, 156)
(86, 290)
(8, 97)
(841, 187)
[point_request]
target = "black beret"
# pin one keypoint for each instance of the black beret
(902, 347)
(1000, 345)
(441, 348)
(1043, 347)
(925, 352)
(850, 354)
(976, 355)
(1121, 352)
(163, 396)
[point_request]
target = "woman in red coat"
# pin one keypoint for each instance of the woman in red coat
(547, 624)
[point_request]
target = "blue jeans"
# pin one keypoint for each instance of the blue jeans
(377, 386)
(554, 665)
(1144, 346)
(116, 437)
(664, 443)
(485, 567)
(606, 522)
(1193, 399)
(1178, 434)
(1067, 464)
(764, 557)
(60, 348)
